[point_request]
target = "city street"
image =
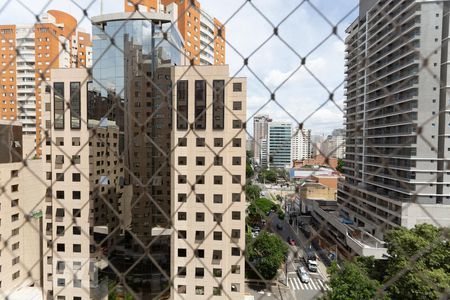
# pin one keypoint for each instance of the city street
(298, 289)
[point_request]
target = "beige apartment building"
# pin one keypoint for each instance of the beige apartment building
(20, 216)
(66, 255)
(208, 203)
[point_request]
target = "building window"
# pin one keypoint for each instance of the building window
(200, 198)
(76, 195)
(61, 282)
(235, 287)
(236, 179)
(217, 272)
(200, 161)
(182, 142)
(76, 141)
(217, 291)
(199, 235)
(182, 216)
(61, 247)
(76, 177)
(236, 161)
(237, 124)
(75, 105)
(217, 198)
(199, 253)
(200, 179)
(14, 188)
(75, 159)
(236, 142)
(182, 234)
(60, 195)
(199, 272)
(77, 248)
(199, 290)
(217, 217)
(182, 104)
(76, 213)
(182, 160)
(218, 142)
(14, 173)
(181, 271)
(237, 86)
(235, 251)
(59, 176)
(200, 104)
(200, 217)
(58, 105)
(182, 197)
(235, 234)
(218, 179)
(59, 159)
(182, 252)
(181, 289)
(237, 105)
(235, 215)
(218, 104)
(200, 142)
(182, 179)
(76, 230)
(77, 283)
(218, 161)
(217, 235)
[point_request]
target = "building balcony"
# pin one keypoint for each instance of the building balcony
(360, 241)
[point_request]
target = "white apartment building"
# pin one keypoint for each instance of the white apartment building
(260, 132)
(208, 205)
(66, 254)
(301, 144)
(20, 217)
(393, 175)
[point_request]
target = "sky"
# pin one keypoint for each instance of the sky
(274, 62)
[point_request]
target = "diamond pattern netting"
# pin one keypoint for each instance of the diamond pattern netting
(272, 100)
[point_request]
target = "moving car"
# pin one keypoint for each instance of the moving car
(304, 276)
(311, 261)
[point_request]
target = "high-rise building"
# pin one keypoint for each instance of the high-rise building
(397, 134)
(279, 145)
(334, 145)
(67, 228)
(20, 215)
(263, 157)
(260, 131)
(207, 186)
(28, 53)
(153, 101)
(203, 35)
(301, 144)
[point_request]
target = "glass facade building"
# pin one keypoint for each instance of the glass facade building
(131, 86)
(279, 145)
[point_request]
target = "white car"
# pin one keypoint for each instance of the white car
(304, 276)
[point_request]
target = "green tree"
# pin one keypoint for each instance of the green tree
(351, 281)
(340, 165)
(267, 252)
(249, 172)
(252, 192)
(426, 276)
(269, 175)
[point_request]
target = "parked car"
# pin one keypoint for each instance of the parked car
(304, 276)
(279, 226)
(292, 242)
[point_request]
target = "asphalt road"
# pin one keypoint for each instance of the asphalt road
(298, 289)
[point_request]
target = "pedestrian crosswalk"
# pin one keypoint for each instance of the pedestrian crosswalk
(313, 284)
